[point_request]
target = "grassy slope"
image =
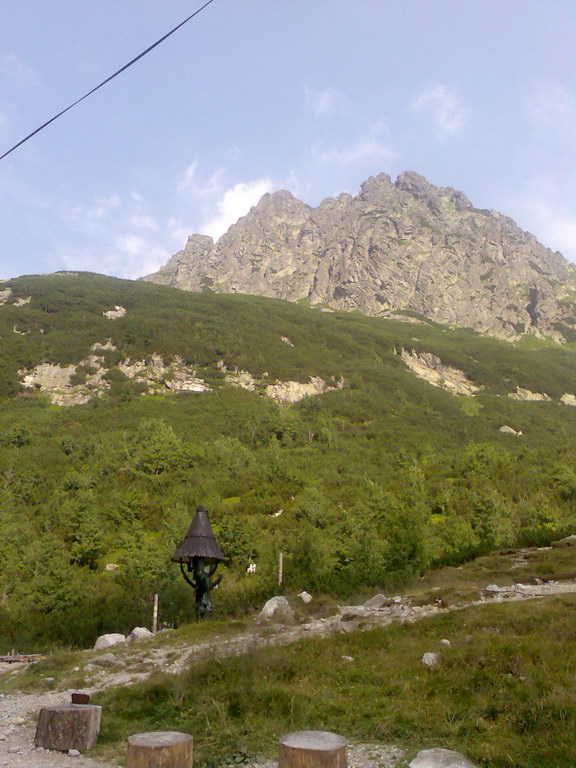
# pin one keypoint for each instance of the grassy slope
(246, 331)
(376, 481)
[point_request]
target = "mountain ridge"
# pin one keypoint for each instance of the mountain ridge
(403, 246)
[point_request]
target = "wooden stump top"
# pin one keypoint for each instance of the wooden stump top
(158, 739)
(72, 707)
(159, 749)
(313, 740)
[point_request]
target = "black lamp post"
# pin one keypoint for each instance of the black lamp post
(199, 555)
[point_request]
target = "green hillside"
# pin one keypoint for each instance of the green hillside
(364, 485)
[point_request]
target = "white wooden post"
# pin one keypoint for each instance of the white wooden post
(155, 615)
(280, 571)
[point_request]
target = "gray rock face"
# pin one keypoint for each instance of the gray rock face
(404, 246)
(440, 758)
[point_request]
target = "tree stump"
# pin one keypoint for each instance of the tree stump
(160, 749)
(71, 726)
(312, 749)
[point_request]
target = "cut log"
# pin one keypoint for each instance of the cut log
(71, 726)
(159, 749)
(312, 749)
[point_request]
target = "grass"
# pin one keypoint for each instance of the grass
(503, 693)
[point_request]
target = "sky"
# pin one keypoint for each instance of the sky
(252, 96)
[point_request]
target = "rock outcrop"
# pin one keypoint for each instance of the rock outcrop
(397, 247)
(77, 384)
(430, 368)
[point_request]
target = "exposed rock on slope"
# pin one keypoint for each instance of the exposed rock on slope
(430, 368)
(78, 384)
(403, 246)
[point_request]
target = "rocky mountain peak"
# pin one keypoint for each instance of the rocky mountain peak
(376, 188)
(198, 244)
(397, 247)
(281, 201)
(421, 189)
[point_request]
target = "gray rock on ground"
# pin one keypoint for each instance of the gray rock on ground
(305, 597)
(379, 601)
(440, 758)
(277, 609)
(139, 633)
(431, 659)
(107, 641)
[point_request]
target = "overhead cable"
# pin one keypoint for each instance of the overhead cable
(108, 79)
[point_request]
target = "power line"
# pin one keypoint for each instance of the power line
(118, 72)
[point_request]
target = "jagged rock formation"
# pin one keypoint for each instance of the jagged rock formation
(396, 247)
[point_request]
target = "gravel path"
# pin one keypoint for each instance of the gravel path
(18, 711)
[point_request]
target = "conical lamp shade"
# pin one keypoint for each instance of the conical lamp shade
(199, 541)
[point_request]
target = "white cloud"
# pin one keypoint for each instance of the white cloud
(365, 148)
(234, 203)
(112, 236)
(216, 203)
(448, 112)
(191, 184)
(126, 254)
(326, 102)
(552, 110)
(545, 209)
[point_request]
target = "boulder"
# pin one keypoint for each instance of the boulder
(305, 597)
(568, 541)
(431, 659)
(277, 609)
(440, 758)
(107, 641)
(140, 633)
(445, 642)
(379, 601)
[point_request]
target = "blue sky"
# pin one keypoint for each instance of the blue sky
(257, 95)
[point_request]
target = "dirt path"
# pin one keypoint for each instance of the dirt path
(18, 711)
